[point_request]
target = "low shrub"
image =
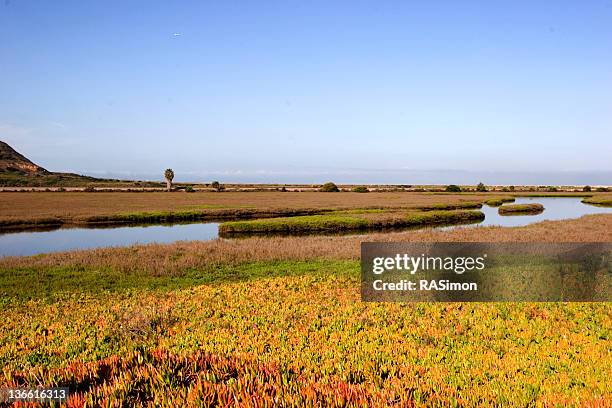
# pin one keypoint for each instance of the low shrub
(360, 189)
(217, 186)
(453, 188)
(329, 188)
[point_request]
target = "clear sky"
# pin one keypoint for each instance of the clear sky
(310, 91)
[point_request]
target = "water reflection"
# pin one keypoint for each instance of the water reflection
(65, 239)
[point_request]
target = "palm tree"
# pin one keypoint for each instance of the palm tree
(169, 175)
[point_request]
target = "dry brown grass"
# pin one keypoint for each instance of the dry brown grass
(54, 208)
(48, 208)
(161, 259)
(74, 205)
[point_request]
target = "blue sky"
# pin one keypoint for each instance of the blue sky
(307, 91)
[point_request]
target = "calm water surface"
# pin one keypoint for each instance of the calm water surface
(65, 239)
(559, 208)
(36, 242)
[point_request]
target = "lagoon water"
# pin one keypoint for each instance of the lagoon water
(557, 208)
(65, 239)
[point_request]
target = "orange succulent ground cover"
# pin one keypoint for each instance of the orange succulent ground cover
(279, 321)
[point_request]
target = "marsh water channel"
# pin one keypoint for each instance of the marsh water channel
(65, 239)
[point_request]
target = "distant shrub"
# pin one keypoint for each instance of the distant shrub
(283, 189)
(217, 186)
(481, 187)
(505, 189)
(329, 188)
(453, 188)
(189, 189)
(586, 189)
(511, 188)
(552, 189)
(360, 189)
(89, 189)
(61, 189)
(601, 189)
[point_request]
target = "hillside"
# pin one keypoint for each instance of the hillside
(16, 170)
(12, 161)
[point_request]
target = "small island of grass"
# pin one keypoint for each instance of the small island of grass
(347, 221)
(496, 202)
(521, 209)
(600, 201)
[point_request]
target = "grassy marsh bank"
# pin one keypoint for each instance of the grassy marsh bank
(602, 200)
(496, 202)
(350, 221)
(521, 209)
(195, 215)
